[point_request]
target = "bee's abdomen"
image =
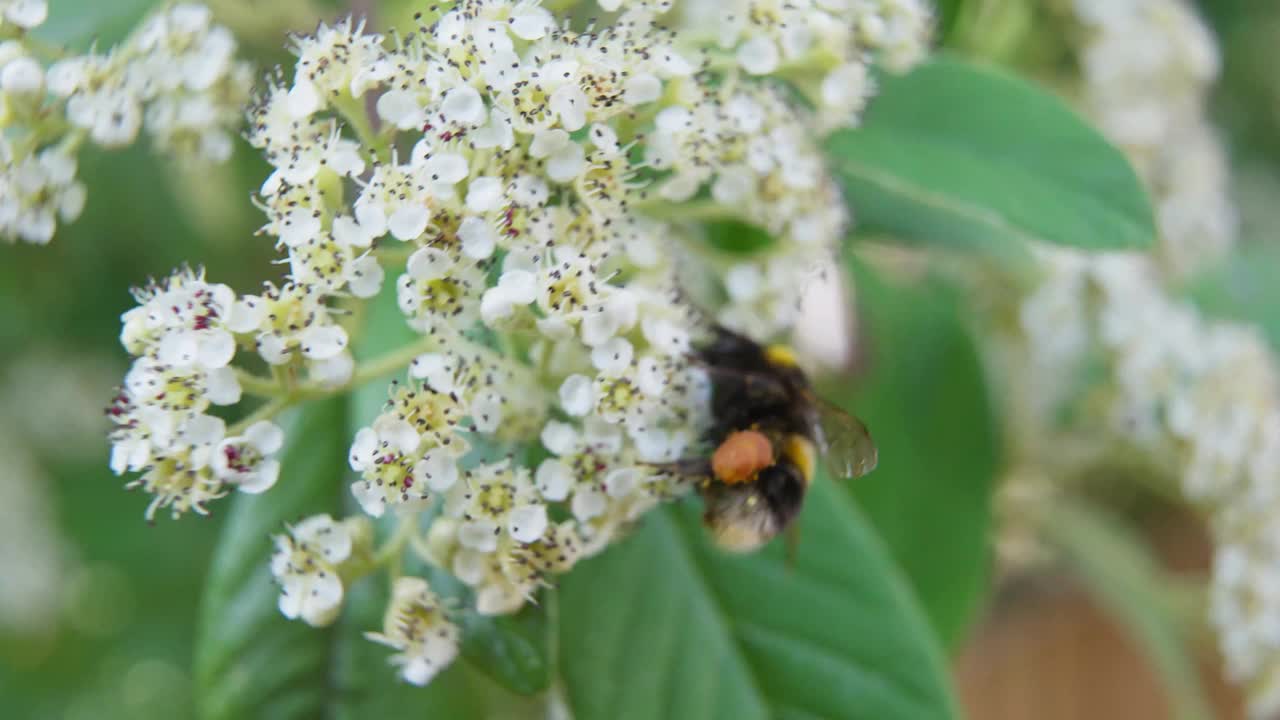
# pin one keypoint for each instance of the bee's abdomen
(782, 485)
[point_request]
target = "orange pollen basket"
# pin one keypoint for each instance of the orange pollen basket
(742, 454)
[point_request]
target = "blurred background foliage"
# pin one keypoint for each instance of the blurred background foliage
(102, 626)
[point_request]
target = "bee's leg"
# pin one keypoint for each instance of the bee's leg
(792, 538)
(696, 471)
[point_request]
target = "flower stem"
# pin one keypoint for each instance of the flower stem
(394, 255)
(391, 551)
(391, 361)
(357, 117)
(258, 385)
(697, 211)
(284, 395)
(266, 411)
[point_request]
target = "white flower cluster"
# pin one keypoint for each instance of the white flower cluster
(184, 334)
(522, 182)
(1197, 399)
(175, 77)
(1147, 70)
(1201, 402)
(837, 38)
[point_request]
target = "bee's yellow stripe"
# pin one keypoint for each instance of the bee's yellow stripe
(802, 454)
(780, 356)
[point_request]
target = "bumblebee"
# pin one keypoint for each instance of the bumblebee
(768, 432)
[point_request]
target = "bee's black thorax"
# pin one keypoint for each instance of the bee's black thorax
(749, 390)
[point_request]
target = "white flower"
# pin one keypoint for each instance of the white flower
(531, 22)
(564, 158)
(613, 356)
(401, 108)
(333, 372)
(429, 264)
(321, 342)
(418, 628)
(364, 277)
(245, 460)
(36, 192)
(437, 470)
(21, 75)
(588, 503)
(758, 56)
(408, 450)
(643, 88)
(558, 437)
(577, 396)
(25, 14)
(527, 523)
(480, 535)
(478, 238)
(570, 103)
(305, 566)
(554, 479)
(445, 168)
(463, 106)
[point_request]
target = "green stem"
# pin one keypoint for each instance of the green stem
(393, 549)
(267, 411)
(697, 211)
(556, 696)
(258, 385)
(281, 389)
(394, 255)
(392, 361)
(353, 111)
(45, 51)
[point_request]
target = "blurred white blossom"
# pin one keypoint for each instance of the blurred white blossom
(1148, 66)
(1104, 364)
(174, 78)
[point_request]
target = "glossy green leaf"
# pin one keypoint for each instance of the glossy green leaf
(664, 625)
(969, 157)
(251, 661)
(1121, 573)
(925, 401)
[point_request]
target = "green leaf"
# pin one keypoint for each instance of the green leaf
(1126, 579)
(925, 401)
(79, 24)
(735, 236)
(961, 156)
(251, 661)
(664, 625)
(1242, 289)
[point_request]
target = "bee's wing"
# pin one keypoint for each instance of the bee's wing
(844, 441)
